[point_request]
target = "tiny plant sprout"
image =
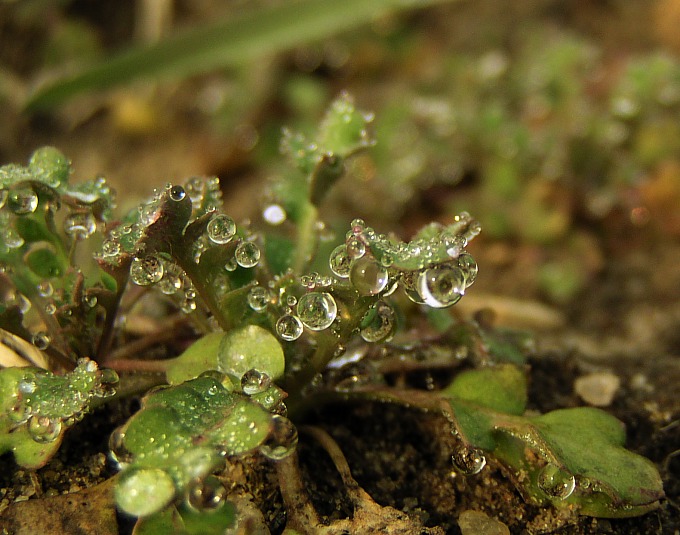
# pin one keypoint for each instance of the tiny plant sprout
(232, 335)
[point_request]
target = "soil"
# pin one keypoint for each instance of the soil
(625, 320)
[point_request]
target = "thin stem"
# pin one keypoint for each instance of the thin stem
(307, 236)
(302, 516)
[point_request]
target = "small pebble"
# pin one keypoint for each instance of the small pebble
(597, 388)
(477, 523)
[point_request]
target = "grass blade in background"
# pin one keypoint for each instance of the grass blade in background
(234, 41)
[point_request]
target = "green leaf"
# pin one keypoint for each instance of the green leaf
(587, 443)
(233, 353)
(181, 435)
(37, 407)
(501, 388)
(44, 263)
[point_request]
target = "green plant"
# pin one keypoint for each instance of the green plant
(272, 312)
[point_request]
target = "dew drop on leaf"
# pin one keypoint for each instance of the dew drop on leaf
(43, 429)
(258, 298)
(317, 310)
(355, 248)
(556, 482)
(146, 270)
(340, 261)
(207, 494)
(282, 439)
(254, 382)
(468, 461)
(22, 201)
(19, 413)
(110, 248)
(289, 327)
(221, 229)
(441, 286)
(367, 276)
(247, 254)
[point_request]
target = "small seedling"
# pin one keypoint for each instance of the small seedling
(272, 312)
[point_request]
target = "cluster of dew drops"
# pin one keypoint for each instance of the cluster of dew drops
(46, 417)
(367, 261)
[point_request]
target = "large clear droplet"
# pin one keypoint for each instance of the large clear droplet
(22, 201)
(556, 482)
(247, 254)
(317, 310)
(441, 287)
(468, 461)
(221, 229)
(379, 323)
(468, 266)
(367, 276)
(340, 261)
(282, 439)
(258, 298)
(254, 382)
(43, 429)
(147, 270)
(80, 225)
(206, 495)
(117, 449)
(289, 327)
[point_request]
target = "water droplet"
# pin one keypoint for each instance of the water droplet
(441, 287)
(195, 187)
(41, 340)
(80, 225)
(177, 193)
(367, 276)
(317, 310)
(289, 327)
(149, 213)
(45, 289)
(274, 214)
(22, 201)
(19, 413)
(50, 308)
(172, 280)
(254, 381)
(147, 270)
(379, 323)
(110, 248)
(247, 254)
(291, 300)
(221, 229)
(27, 386)
(556, 482)
(468, 461)
(117, 450)
(282, 439)
(43, 429)
(258, 298)
(231, 265)
(468, 266)
(355, 248)
(206, 495)
(340, 261)
(12, 239)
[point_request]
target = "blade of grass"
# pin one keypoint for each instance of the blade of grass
(235, 41)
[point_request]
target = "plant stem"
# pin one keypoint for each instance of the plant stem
(307, 236)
